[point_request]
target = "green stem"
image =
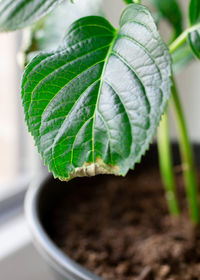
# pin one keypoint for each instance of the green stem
(166, 166)
(187, 159)
(182, 38)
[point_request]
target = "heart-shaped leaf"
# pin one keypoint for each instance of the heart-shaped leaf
(16, 14)
(94, 105)
(194, 36)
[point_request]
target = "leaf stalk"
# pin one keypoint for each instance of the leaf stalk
(182, 38)
(187, 158)
(166, 166)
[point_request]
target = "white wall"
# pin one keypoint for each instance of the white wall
(189, 86)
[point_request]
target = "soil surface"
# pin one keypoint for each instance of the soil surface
(120, 229)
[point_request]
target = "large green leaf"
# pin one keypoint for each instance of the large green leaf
(94, 105)
(194, 17)
(171, 11)
(16, 14)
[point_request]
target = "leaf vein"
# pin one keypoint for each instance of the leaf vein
(117, 55)
(36, 86)
(145, 49)
(125, 109)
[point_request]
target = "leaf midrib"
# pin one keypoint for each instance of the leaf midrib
(100, 86)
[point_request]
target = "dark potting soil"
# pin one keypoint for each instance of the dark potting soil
(120, 229)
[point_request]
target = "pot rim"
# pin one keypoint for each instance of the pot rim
(54, 256)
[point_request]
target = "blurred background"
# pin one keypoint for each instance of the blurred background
(20, 162)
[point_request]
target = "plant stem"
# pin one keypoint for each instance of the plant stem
(166, 166)
(182, 38)
(187, 158)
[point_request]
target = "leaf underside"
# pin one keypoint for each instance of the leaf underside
(94, 105)
(194, 17)
(16, 14)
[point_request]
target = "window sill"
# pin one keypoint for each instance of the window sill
(18, 258)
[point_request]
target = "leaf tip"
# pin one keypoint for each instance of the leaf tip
(89, 169)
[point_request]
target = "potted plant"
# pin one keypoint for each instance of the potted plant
(93, 105)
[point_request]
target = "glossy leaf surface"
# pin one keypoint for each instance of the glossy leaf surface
(194, 17)
(94, 105)
(16, 14)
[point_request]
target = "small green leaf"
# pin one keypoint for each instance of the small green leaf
(94, 105)
(16, 14)
(194, 37)
(171, 11)
(194, 42)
